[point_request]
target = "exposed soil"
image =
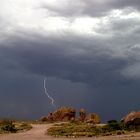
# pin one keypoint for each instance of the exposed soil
(38, 132)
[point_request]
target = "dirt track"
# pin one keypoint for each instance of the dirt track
(38, 133)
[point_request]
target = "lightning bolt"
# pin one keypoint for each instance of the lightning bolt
(46, 93)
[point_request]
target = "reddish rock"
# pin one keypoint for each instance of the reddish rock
(82, 114)
(62, 114)
(93, 118)
(133, 118)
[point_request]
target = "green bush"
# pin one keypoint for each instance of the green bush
(114, 125)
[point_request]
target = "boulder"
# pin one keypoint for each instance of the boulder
(132, 119)
(62, 114)
(93, 118)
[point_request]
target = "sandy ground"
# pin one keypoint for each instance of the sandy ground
(38, 133)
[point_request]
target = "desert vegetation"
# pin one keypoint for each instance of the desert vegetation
(67, 124)
(89, 125)
(10, 126)
(79, 129)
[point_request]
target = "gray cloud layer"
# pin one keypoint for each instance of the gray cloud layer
(90, 7)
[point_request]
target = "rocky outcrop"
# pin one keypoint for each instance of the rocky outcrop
(93, 118)
(68, 114)
(82, 114)
(62, 114)
(132, 119)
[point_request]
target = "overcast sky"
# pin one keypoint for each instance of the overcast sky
(89, 50)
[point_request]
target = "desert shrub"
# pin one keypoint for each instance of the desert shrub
(83, 129)
(120, 132)
(23, 126)
(8, 126)
(75, 129)
(112, 121)
(114, 125)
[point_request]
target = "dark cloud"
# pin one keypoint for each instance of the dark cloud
(90, 7)
(74, 58)
(125, 3)
(71, 59)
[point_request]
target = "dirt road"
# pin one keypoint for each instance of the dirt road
(38, 133)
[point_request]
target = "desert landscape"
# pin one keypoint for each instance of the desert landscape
(38, 132)
(69, 69)
(64, 124)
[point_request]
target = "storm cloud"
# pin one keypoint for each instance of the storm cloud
(91, 47)
(90, 7)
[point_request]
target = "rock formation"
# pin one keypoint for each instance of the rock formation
(132, 119)
(69, 114)
(82, 114)
(62, 114)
